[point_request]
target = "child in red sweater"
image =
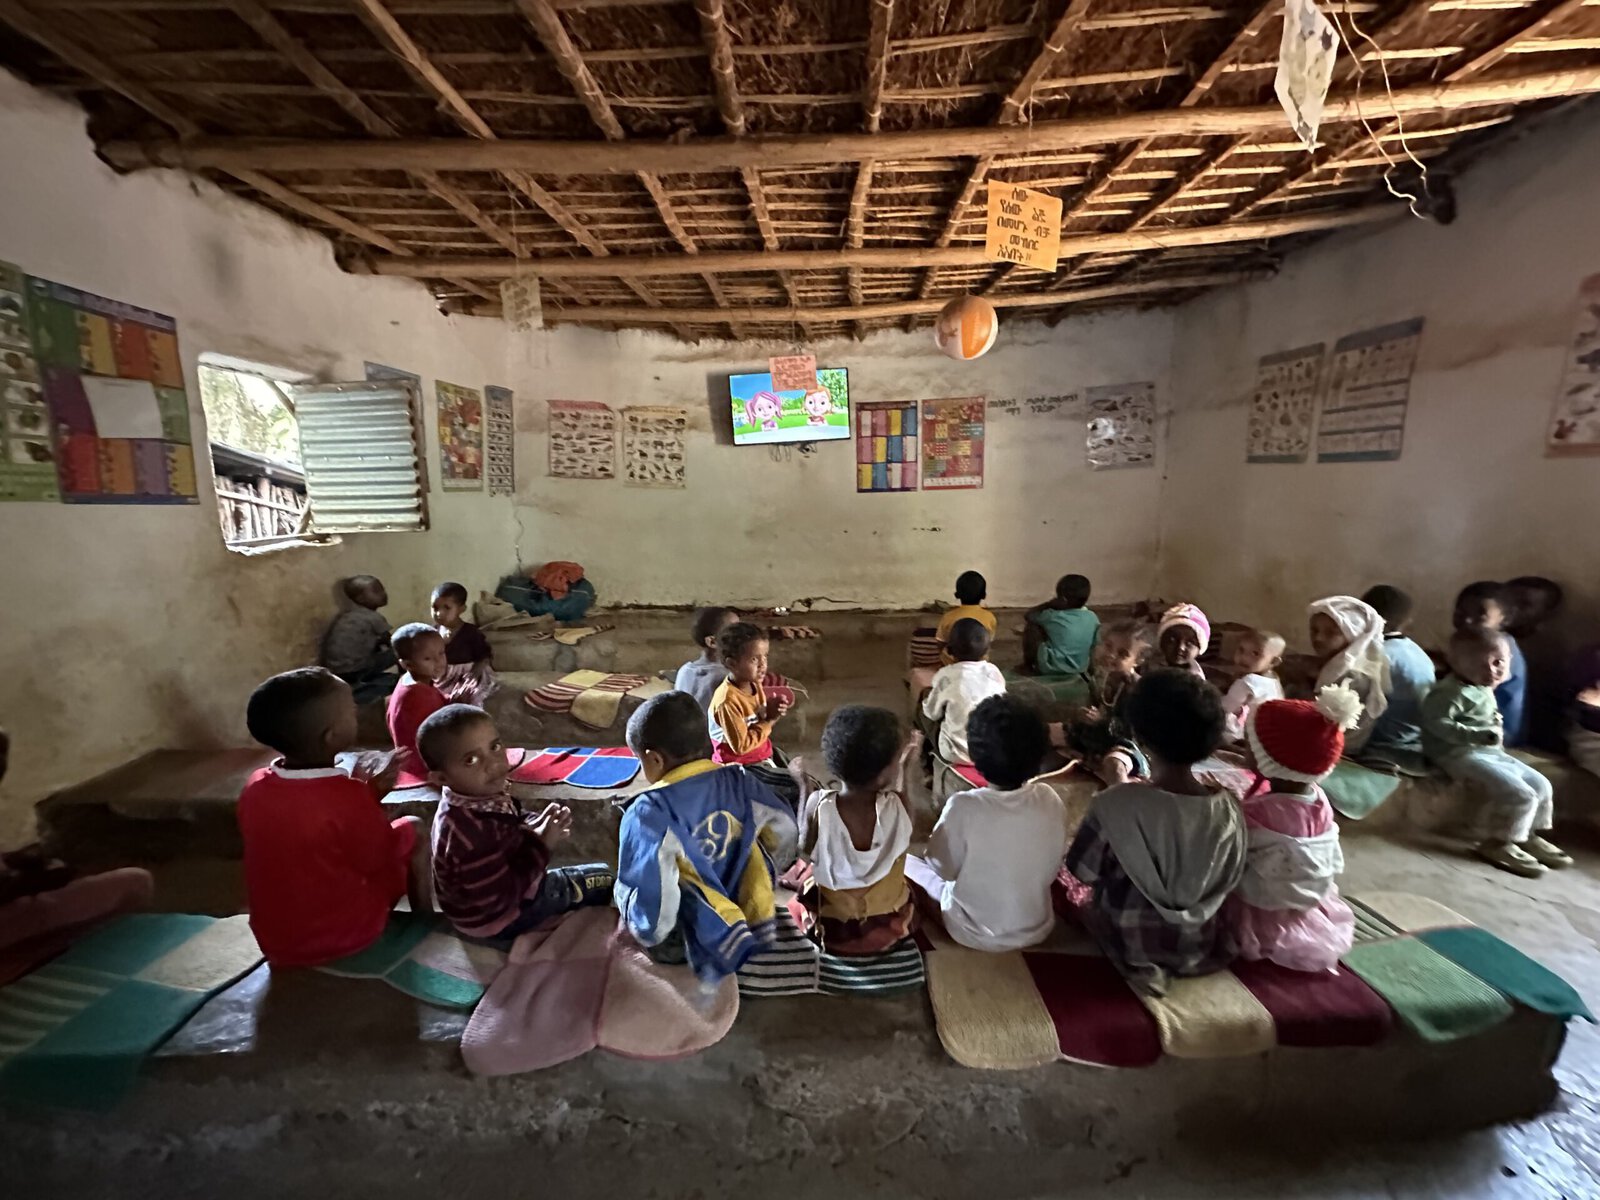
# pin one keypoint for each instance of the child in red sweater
(421, 651)
(323, 864)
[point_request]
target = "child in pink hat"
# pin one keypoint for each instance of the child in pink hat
(1182, 637)
(1287, 908)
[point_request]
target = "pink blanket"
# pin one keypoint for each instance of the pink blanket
(583, 984)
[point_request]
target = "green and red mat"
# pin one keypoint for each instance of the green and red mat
(1415, 964)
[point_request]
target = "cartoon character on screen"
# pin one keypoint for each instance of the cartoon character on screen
(763, 409)
(818, 406)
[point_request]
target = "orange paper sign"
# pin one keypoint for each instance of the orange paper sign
(793, 373)
(1024, 227)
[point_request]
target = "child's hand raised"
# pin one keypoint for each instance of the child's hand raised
(775, 708)
(553, 825)
(378, 769)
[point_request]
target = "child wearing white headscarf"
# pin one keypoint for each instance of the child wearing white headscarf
(1347, 635)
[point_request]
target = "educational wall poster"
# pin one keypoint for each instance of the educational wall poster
(654, 444)
(1575, 424)
(583, 440)
(793, 372)
(27, 458)
(1120, 420)
(1284, 406)
(1024, 226)
(113, 381)
(952, 443)
(1368, 389)
(460, 437)
(500, 436)
(886, 447)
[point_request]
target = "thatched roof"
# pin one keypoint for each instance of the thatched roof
(797, 167)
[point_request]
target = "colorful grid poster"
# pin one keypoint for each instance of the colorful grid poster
(952, 443)
(886, 447)
(1284, 405)
(583, 440)
(1369, 388)
(500, 442)
(460, 437)
(114, 383)
(1575, 423)
(27, 458)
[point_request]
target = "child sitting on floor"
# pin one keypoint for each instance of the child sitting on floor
(1347, 636)
(1287, 907)
(469, 660)
(959, 688)
(1182, 637)
(995, 851)
(1161, 857)
(1396, 739)
(323, 864)
(971, 591)
(1116, 663)
(701, 677)
(1104, 750)
(1059, 635)
(1533, 600)
(1257, 655)
(491, 860)
(700, 852)
(856, 835)
(356, 645)
(421, 652)
(742, 715)
(1462, 734)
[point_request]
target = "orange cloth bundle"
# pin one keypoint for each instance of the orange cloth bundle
(555, 578)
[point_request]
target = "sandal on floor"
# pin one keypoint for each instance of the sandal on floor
(1509, 857)
(1550, 854)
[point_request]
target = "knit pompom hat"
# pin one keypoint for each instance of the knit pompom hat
(1190, 615)
(1302, 740)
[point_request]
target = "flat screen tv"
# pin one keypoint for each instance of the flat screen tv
(762, 416)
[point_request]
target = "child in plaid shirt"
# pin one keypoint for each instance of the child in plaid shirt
(1161, 857)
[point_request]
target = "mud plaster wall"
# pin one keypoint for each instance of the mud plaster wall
(752, 526)
(131, 627)
(1473, 495)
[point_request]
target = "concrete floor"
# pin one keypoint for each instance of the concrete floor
(303, 1083)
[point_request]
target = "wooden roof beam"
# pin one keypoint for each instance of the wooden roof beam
(552, 34)
(907, 258)
(828, 150)
(877, 71)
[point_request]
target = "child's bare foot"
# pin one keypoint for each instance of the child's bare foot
(1547, 852)
(1510, 857)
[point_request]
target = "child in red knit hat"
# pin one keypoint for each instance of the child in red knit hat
(1287, 908)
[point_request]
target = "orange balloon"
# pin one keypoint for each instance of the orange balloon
(966, 328)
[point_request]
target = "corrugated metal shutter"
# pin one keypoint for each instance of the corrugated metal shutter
(358, 442)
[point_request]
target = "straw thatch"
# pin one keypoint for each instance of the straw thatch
(624, 149)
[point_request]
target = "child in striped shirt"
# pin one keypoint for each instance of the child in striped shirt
(491, 860)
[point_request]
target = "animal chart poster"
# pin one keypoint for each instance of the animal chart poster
(1284, 406)
(499, 455)
(1368, 390)
(886, 447)
(1120, 427)
(1575, 424)
(952, 443)
(460, 437)
(27, 455)
(113, 382)
(583, 440)
(654, 440)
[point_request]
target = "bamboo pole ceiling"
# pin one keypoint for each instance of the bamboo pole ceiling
(798, 168)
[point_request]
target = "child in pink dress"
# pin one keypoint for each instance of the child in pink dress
(1286, 908)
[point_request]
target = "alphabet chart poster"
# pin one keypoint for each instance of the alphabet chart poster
(583, 440)
(114, 384)
(500, 449)
(886, 447)
(1369, 389)
(952, 443)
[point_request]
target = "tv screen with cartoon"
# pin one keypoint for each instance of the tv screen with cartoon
(761, 415)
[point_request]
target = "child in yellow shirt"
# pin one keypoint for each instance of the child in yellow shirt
(742, 714)
(971, 591)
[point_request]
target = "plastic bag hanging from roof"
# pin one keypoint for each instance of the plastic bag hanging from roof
(520, 303)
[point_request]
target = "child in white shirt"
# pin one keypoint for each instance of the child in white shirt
(1257, 655)
(997, 849)
(961, 687)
